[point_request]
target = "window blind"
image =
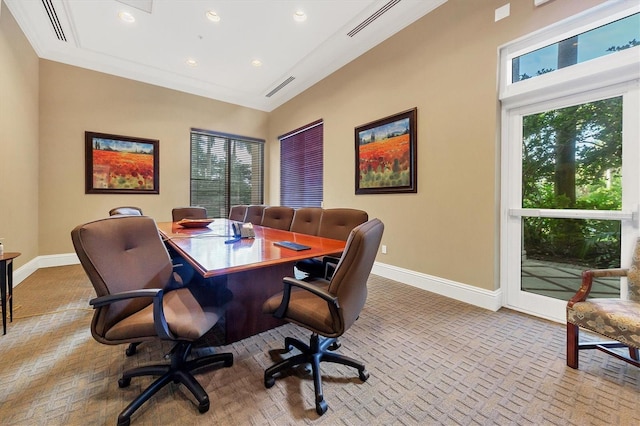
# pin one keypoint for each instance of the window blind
(225, 170)
(301, 166)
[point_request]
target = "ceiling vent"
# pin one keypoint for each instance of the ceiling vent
(143, 5)
(53, 18)
(280, 86)
(362, 25)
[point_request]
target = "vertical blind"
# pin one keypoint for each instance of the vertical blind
(225, 170)
(301, 166)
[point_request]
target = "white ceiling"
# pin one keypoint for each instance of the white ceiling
(154, 49)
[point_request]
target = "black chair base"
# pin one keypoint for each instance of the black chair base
(179, 371)
(317, 351)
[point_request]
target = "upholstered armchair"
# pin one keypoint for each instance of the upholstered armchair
(127, 210)
(306, 220)
(131, 273)
(277, 217)
(337, 224)
(326, 308)
(616, 319)
(191, 212)
(237, 212)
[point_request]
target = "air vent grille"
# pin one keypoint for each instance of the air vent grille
(361, 26)
(280, 86)
(53, 18)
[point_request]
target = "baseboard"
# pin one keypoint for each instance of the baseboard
(21, 273)
(486, 299)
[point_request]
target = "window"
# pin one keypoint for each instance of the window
(570, 186)
(225, 170)
(301, 166)
(604, 40)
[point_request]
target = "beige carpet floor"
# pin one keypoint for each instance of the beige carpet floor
(432, 361)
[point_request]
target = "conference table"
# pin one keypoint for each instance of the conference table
(251, 268)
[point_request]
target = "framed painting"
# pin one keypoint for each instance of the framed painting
(386, 155)
(120, 164)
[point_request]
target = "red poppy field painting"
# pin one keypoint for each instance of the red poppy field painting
(121, 164)
(386, 155)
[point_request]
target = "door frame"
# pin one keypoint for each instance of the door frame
(511, 195)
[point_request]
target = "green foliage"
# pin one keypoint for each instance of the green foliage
(589, 179)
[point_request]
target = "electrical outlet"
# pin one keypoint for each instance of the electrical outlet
(383, 249)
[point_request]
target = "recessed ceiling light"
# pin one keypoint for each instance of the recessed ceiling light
(126, 17)
(192, 62)
(299, 16)
(213, 16)
(256, 63)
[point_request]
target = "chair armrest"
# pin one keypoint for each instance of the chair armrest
(587, 281)
(290, 282)
(330, 264)
(117, 297)
(160, 322)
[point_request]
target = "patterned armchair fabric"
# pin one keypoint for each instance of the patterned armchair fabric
(617, 319)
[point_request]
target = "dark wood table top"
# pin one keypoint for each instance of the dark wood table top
(9, 255)
(206, 251)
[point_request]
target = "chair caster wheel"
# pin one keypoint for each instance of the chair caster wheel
(123, 383)
(203, 407)
(269, 382)
(124, 422)
(364, 375)
(335, 346)
(131, 349)
(321, 407)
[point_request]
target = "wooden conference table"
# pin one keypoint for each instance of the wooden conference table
(252, 269)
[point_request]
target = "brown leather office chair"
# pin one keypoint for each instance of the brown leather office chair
(277, 217)
(130, 269)
(617, 319)
(327, 308)
(192, 212)
(129, 210)
(254, 214)
(306, 220)
(237, 213)
(337, 224)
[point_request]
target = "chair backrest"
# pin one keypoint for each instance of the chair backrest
(237, 213)
(254, 214)
(278, 217)
(306, 220)
(633, 276)
(130, 210)
(349, 281)
(191, 212)
(121, 253)
(338, 223)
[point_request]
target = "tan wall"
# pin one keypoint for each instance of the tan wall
(75, 100)
(445, 64)
(18, 141)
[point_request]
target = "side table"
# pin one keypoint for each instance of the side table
(6, 281)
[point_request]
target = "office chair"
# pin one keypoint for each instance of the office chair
(616, 319)
(306, 220)
(192, 212)
(337, 224)
(254, 214)
(326, 308)
(129, 210)
(130, 268)
(237, 213)
(277, 217)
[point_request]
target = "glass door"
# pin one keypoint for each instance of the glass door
(572, 198)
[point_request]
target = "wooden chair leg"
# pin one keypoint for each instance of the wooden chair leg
(633, 353)
(572, 345)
